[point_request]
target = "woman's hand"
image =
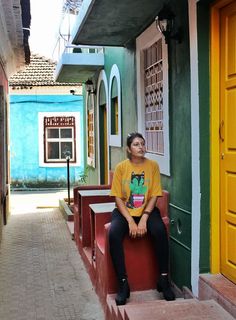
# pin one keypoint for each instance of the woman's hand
(133, 228)
(142, 226)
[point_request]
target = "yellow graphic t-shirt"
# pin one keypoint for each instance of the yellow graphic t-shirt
(135, 184)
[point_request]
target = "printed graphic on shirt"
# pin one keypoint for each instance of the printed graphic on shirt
(137, 191)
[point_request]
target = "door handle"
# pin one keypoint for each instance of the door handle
(221, 131)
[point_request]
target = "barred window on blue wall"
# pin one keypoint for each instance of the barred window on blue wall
(59, 139)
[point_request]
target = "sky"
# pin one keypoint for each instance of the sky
(45, 20)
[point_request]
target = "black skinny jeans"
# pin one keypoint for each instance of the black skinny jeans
(155, 227)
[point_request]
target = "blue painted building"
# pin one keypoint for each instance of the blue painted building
(46, 122)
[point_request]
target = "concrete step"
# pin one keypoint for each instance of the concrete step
(217, 287)
(66, 210)
(150, 305)
(190, 309)
(136, 298)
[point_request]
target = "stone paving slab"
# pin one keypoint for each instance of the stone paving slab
(42, 276)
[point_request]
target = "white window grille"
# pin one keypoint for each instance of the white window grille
(90, 131)
(152, 95)
(153, 89)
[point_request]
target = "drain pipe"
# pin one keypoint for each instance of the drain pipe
(68, 176)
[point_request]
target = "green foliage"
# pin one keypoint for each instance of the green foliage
(83, 176)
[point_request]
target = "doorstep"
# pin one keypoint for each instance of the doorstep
(219, 288)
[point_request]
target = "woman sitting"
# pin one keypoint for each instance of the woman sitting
(136, 186)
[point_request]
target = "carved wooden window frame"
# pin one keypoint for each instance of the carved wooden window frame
(59, 122)
(90, 130)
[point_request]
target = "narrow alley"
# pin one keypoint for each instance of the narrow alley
(131, 106)
(42, 276)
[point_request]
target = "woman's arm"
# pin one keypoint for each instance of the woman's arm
(142, 226)
(124, 211)
(151, 204)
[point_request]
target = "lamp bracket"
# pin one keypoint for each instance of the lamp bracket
(165, 23)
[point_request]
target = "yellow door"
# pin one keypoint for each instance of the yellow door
(227, 133)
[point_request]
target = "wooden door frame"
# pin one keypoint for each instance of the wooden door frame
(214, 129)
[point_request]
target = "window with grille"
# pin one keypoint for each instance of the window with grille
(91, 140)
(59, 139)
(90, 137)
(153, 95)
(153, 98)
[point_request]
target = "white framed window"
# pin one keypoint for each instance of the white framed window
(59, 139)
(115, 107)
(152, 95)
(59, 134)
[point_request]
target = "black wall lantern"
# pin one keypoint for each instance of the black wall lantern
(90, 87)
(165, 23)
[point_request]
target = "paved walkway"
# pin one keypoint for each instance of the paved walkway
(41, 274)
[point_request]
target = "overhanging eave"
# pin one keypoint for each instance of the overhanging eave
(112, 22)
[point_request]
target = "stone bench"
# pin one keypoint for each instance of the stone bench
(139, 255)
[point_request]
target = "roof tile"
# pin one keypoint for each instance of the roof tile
(40, 72)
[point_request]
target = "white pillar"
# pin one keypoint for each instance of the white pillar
(196, 192)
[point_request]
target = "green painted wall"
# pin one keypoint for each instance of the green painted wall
(125, 60)
(204, 103)
(179, 184)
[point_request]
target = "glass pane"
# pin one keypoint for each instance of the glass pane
(66, 149)
(53, 133)
(66, 133)
(53, 150)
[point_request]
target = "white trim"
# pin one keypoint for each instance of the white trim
(115, 140)
(41, 115)
(196, 192)
(145, 40)
(102, 77)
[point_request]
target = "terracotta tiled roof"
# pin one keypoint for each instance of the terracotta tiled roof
(40, 72)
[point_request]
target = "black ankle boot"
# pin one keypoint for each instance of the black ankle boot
(123, 292)
(163, 286)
